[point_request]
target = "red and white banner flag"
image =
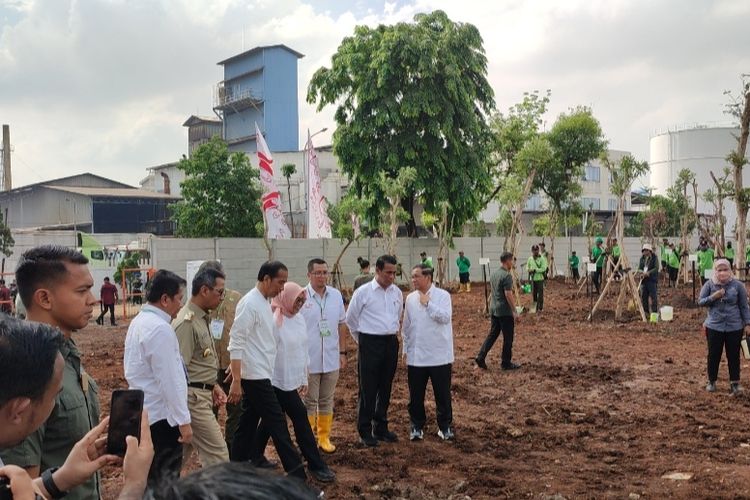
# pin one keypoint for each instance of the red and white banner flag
(318, 223)
(271, 200)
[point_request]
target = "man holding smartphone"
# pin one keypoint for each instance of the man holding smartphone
(55, 284)
(199, 355)
(153, 364)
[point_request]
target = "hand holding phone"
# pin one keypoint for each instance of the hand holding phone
(124, 419)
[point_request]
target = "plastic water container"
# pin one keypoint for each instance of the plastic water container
(666, 313)
(654, 317)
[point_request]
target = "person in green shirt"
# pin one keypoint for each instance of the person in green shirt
(503, 315)
(729, 254)
(574, 262)
(705, 260)
(55, 285)
(463, 264)
(427, 261)
(673, 265)
(597, 256)
(663, 252)
(537, 266)
(616, 251)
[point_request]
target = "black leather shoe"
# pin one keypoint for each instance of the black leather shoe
(511, 366)
(368, 441)
(323, 475)
(387, 436)
(264, 463)
(480, 363)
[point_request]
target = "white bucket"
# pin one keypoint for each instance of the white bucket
(666, 313)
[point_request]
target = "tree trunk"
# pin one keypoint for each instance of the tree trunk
(289, 194)
(336, 278)
(740, 195)
(411, 225)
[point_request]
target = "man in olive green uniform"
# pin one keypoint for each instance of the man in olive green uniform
(220, 323)
(55, 285)
(202, 364)
(537, 267)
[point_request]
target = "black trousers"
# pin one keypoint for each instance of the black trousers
(538, 294)
(672, 275)
(167, 453)
(576, 276)
(440, 376)
(111, 309)
(648, 290)
(729, 342)
(259, 402)
(295, 409)
(506, 325)
(378, 358)
(233, 412)
(598, 279)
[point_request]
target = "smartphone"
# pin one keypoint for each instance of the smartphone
(124, 419)
(5, 493)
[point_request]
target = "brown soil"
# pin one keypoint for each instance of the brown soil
(599, 409)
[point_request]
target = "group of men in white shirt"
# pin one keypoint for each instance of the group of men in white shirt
(373, 317)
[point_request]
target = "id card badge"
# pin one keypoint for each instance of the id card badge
(325, 330)
(217, 328)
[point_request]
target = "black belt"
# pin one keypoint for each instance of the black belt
(198, 385)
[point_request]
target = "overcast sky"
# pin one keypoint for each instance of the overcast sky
(104, 86)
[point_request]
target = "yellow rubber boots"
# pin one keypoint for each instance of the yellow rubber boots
(325, 422)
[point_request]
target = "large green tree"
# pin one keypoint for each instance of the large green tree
(221, 194)
(412, 95)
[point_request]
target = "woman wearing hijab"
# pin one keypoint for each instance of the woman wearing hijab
(728, 315)
(290, 379)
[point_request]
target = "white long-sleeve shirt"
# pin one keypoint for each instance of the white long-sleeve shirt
(290, 367)
(427, 330)
(375, 310)
(153, 364)
(323, 351)
(251, 339)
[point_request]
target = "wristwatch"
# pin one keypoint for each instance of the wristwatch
(49, 484)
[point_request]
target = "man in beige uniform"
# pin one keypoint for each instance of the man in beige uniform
(220, 322)
(197, 350)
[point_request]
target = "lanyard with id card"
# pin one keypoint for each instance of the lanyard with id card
(323, 327)
(217, 328)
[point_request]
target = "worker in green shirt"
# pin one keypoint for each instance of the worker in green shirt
(574, 262)
(537, 266)
(663, 252)
(729, 254)
(705, 260)
(597, 256)
(616, 251)
(427, 261)
(673, 265)
(463, 264)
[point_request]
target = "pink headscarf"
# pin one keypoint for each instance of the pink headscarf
(283, 304)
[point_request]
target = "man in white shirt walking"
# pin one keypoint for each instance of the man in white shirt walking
(153, 364)
(252, 349)
(325, 318)
(428, 345)
(373, 318)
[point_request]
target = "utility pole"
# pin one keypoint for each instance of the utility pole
(7, 183)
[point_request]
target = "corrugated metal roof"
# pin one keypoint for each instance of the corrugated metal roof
(193, 119)
(257, 49)
(113, 192)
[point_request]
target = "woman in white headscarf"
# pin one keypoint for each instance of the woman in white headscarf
(728, 316)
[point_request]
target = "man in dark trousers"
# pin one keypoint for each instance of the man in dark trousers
(503, 315)
(648, 268)
(108, 296)
(373, 318)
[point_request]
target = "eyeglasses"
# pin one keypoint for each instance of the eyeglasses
(320, 273)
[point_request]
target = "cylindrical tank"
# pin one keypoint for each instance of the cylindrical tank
(700, 149)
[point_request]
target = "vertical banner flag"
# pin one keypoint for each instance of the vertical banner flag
(318, 223)
(274, 218)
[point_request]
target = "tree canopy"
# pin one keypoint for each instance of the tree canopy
(221, 194)
(412, 95)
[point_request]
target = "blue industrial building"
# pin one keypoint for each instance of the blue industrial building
(260, 85)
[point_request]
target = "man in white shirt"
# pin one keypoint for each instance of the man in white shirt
(325, 318)
(252, 350)
(373, 318)
(153, 364)
(428, 345)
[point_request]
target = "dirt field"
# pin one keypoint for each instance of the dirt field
(598, 410)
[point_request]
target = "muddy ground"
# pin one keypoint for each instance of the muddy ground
(599, 410)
